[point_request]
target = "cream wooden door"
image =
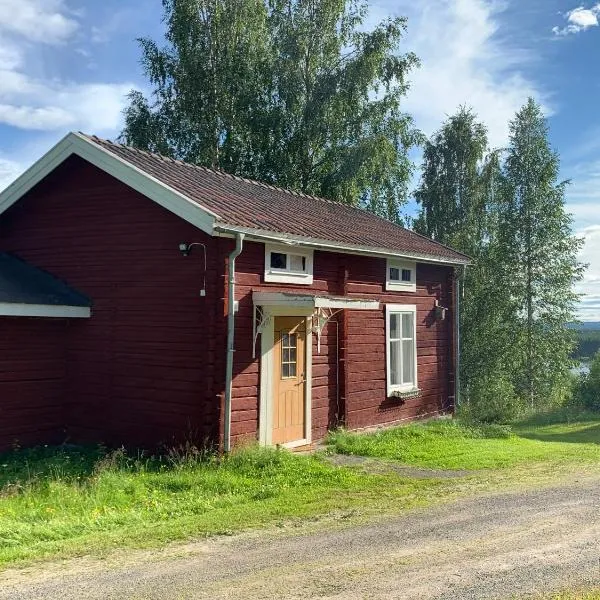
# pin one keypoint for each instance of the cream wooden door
(289, 416)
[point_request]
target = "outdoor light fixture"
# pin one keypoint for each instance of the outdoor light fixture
(185, 250)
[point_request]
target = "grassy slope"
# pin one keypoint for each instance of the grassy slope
(448, 445)
(69, 501)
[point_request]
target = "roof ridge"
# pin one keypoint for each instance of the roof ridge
(219, 172)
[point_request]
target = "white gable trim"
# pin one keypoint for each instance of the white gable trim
(120, 169)
(15, 309)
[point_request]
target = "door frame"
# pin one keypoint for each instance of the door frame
(267, 358)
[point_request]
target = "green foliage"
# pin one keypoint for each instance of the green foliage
(492, 399)
(540, 252)
(587, 393)
(457, 445)
(509, 216)
(293, 92)
(452, 172)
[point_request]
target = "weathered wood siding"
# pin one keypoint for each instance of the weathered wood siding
(365, 346)
(360, 398)
(32, 381)
(147, 368)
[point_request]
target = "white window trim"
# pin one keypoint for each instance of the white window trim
(394, 309)
(400, 286)
(286, 276)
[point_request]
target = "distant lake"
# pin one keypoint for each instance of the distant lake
(582, 368)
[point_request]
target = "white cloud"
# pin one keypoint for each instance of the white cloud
(590, 286)
(31, 103)
(463, 62)
(579, 19)
(9, 171)
(44, 21)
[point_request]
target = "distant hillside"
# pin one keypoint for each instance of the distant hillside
(586, 326)
(588, 339)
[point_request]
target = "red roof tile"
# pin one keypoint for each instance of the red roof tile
(247, 204)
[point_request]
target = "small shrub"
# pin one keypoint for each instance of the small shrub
(491, 400)
(587, 390)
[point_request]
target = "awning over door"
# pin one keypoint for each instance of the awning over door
(315, 301)
(323, 306)
(26, 291)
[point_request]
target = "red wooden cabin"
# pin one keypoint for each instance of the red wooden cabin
(144, 301)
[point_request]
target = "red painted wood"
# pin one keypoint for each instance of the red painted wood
(146, 369)
(32, 381)
(149, 367)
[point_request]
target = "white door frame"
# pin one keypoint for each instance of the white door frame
(267, 358)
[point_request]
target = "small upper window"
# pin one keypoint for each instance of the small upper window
(288, 265)
(401, 276)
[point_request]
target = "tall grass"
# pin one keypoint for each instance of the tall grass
(52, 500)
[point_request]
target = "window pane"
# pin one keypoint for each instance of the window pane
(408, 368)
(394, 274)
(292, 340)
(292, 369)
(394, 326)
(278, 260)
(285, 340)
(292, 352)
(286, 355)
(406, 275)
(395, 363)
(297, 263)
(407, 325)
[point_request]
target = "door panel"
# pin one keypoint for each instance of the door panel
(289, 386)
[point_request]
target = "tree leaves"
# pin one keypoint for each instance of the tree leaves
(292, 92)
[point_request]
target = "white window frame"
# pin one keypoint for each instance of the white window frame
(400, 286)
(391, 309)
(287, 275)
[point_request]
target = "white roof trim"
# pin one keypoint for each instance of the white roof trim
(310, 301)
(329, 246)
(122, 170)
(14, 309)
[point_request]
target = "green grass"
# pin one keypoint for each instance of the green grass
(448, 444)
(69, 501)
(58, 502)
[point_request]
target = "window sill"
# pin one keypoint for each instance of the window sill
(405, 394)
(293, 278)
(393, 286)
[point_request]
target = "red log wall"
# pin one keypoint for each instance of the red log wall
(147, 368)
(361, 399)
(32, 381)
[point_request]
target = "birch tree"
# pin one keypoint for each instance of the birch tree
(540, 249)
(298, 93)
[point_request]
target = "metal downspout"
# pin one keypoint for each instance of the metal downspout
(457, 391)
(239, 238)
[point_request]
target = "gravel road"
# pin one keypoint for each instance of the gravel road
(502, 546)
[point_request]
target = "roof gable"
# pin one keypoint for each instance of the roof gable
(223, 204)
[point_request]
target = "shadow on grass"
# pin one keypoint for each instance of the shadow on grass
(21, 467)
(586, 434)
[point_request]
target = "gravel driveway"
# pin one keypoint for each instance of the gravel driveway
(490, 547)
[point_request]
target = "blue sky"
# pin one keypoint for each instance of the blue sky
(68, 65)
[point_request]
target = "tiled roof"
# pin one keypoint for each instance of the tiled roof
(243, 203)
(22, 283)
